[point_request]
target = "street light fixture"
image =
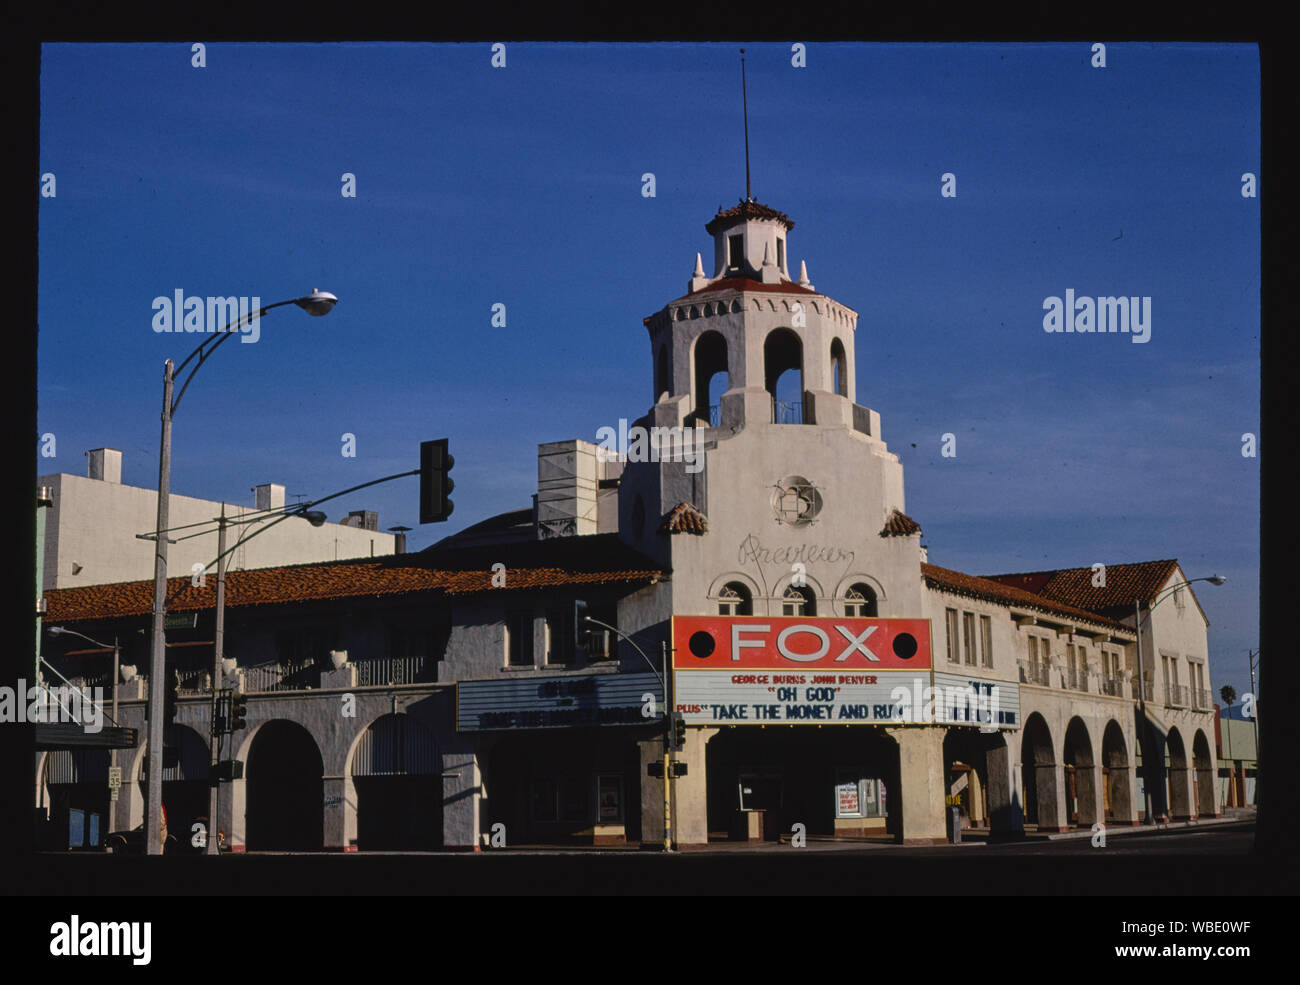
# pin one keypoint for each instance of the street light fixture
(317, 303)
(1149, 745)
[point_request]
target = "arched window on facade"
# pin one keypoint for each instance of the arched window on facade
(798, 602)
(735, 600)
(783, 375)
(860, 602)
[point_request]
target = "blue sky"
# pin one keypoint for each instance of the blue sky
(522, 185)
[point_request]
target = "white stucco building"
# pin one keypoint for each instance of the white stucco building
(91, 528)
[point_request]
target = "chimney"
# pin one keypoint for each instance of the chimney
(399, 539)
(270, 496)
(105, 464)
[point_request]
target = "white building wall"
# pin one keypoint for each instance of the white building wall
(93, 525)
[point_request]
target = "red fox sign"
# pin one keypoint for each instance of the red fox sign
(794, 642)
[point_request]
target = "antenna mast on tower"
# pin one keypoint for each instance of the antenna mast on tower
(744, 98)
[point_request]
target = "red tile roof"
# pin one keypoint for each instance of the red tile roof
(746, 284)
(1074, 586)
(684, 518)
(745, 210)
(994, 591)
(598, 559)
(900, 524)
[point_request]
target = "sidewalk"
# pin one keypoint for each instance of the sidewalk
(1230, 814)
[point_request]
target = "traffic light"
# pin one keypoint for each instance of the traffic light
(580, 630)
(238, 711)
(435, 481)
(170, 694)
(678, 730)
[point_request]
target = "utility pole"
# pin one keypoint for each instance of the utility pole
(218, 653)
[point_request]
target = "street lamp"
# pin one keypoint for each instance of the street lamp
(1148, 746)
(317, 303)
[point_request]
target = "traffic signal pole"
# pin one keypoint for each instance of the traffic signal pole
(668, 754)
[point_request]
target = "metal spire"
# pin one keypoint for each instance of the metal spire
(745, 103)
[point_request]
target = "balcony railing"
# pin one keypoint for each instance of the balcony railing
(1114, 686)
(1075, 679)
(197, 681)
(1176, 695)
(787, 412)
(387, 671)
(1146, 692)
(715, 416)
(275, 677)
(1200, 699)
(1033, 673)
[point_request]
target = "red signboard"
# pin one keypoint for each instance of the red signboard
(794, 642)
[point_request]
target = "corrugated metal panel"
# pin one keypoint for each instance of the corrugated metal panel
(77, 766)
(397, 745)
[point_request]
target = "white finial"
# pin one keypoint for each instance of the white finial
(698, 280)
(803, 274)
(770, 274)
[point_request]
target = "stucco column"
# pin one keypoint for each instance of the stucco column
(462, 795)
(340, 807)
(1090, 792)
(1007, 813)
(1123, 795)
(690, 792)
(1182, 801)
(1049, 778)
(922, 779)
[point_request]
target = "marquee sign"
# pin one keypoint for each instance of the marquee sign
(794, 643)
(747, 670)
(558, 702)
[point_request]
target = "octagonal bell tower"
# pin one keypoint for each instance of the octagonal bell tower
(760, 366)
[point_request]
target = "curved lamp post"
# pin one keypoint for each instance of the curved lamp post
(317, 303)
(1149, 746)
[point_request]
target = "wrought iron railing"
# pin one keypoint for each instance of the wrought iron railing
(387, 671)
(1176, 695)
(277, 677)
(787, 412)
(1033, 673)
(1114, 686)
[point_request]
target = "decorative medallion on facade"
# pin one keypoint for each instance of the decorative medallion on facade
(796, 501)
